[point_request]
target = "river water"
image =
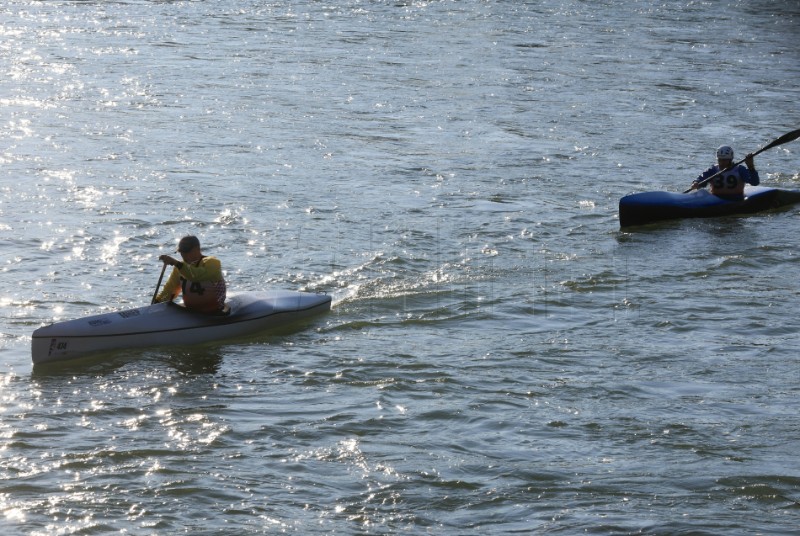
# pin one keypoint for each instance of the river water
(500, 357)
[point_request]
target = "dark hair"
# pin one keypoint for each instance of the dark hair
(188, 243)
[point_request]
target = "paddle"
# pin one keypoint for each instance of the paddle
(790, 136)
(158, 286)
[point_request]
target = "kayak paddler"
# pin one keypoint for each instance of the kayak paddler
(198, 277)
(730, 180)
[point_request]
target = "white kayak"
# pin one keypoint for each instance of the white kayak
(170, 324)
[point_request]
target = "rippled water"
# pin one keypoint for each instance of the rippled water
(500, 358)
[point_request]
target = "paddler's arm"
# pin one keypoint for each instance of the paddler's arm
(753, 178)
(707, 173)
(208, 269)
(171, 288)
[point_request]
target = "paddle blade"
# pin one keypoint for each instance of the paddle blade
(786, 138)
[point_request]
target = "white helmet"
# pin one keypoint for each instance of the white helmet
(725, 153)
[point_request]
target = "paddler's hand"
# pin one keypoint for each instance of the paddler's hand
(748, 161)
(166, 259)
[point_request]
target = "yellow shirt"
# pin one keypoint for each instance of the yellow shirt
(201, 283)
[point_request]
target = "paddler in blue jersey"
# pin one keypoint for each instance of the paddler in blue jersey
(198, 277)
(730, 183)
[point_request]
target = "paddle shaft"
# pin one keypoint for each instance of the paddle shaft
(158, 286)
(790, 136)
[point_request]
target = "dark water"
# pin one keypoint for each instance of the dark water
(500, 358)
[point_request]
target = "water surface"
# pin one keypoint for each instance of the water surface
(500, 357)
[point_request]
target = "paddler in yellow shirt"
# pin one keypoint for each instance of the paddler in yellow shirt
(198, 277)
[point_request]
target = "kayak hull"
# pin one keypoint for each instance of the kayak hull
(164, 324)
(649, 207)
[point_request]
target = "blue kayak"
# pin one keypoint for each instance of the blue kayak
(649, 207)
